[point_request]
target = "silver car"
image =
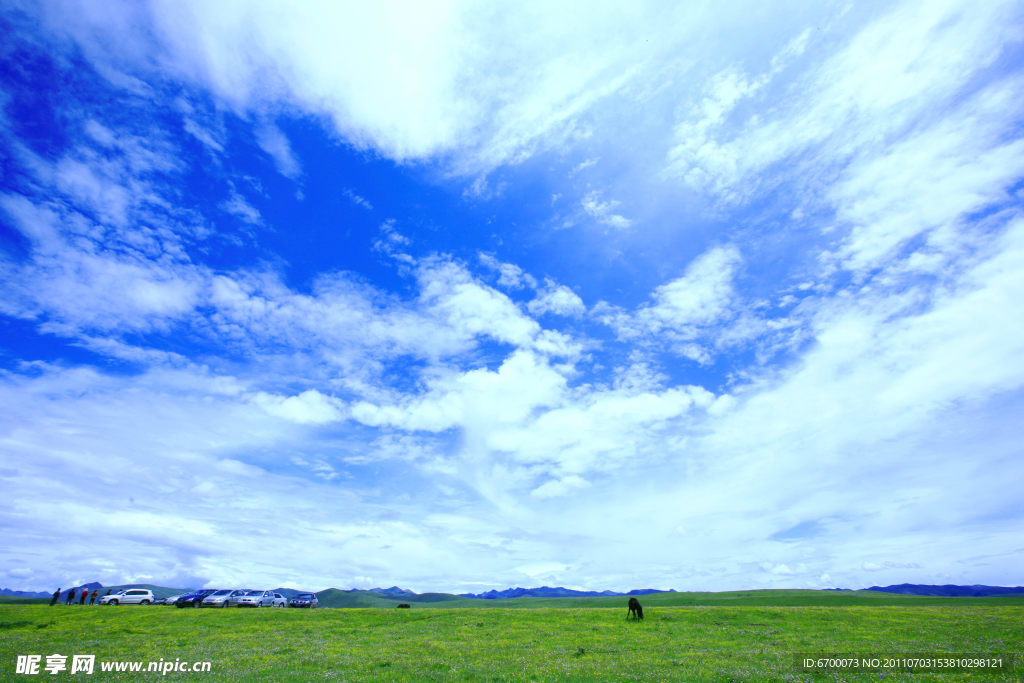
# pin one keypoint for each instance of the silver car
(222, 598)
(256, 599)
(134, 596)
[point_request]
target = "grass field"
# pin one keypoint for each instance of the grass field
(727, 641)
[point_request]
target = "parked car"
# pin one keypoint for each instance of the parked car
(195, 598)
(256, 599)
(168, 600)
(222, 598)
(234, 600)
(272, 599)
(304, 600)
(131, 596)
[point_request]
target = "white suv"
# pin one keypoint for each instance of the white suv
(132, 596)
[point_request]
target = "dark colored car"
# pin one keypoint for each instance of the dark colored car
(194, 599)
(304, 600)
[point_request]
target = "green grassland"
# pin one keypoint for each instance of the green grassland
(20, 600)
(718, 636)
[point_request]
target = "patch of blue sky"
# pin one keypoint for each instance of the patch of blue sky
(24, 347)
(808, 529)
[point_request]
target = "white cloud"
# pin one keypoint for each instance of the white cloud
(698, 157)
(783, 569)
(582, 166)
(320, 468)
(893, 401)
(202, 135)
(488, 85)
(557, 299)
(449, 293)
(237, 205)
(392, 242)
(701, 296)
(366, 71)
(603, 211)
(888, 564)
(92, 275)
(111, 188)
(510, 275)
(482, 189)
(475, 398)
(309, 407)
(94, 290)
(930, 179)
(357, 199)
(683, 309)
(113, 348)
(558, 487)
(898, 70)
(600, 429)
(275, 143)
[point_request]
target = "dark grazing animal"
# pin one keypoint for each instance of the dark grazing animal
(635, 610)
(403, 605)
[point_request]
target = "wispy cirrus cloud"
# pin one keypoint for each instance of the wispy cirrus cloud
(356, 199)
(274, 142)
(902, 67)
(509, 274)
(604, 211)
(409, 96)
(930, 180)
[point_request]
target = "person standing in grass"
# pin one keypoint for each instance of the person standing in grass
(85, 594)
(95, 593)
(71, 596)
(56, 596)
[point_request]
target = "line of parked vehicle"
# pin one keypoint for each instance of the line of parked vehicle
(213, 597)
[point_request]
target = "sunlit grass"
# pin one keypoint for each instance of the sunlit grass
(672, 643)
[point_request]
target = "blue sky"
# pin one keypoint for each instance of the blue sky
(458, 296)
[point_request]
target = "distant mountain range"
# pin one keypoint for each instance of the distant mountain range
(24, 594)
(394, 592)
(948, 590)
(556, 592)
(42, 594)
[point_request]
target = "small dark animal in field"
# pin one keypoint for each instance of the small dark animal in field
(635, 610)
(403, 605)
